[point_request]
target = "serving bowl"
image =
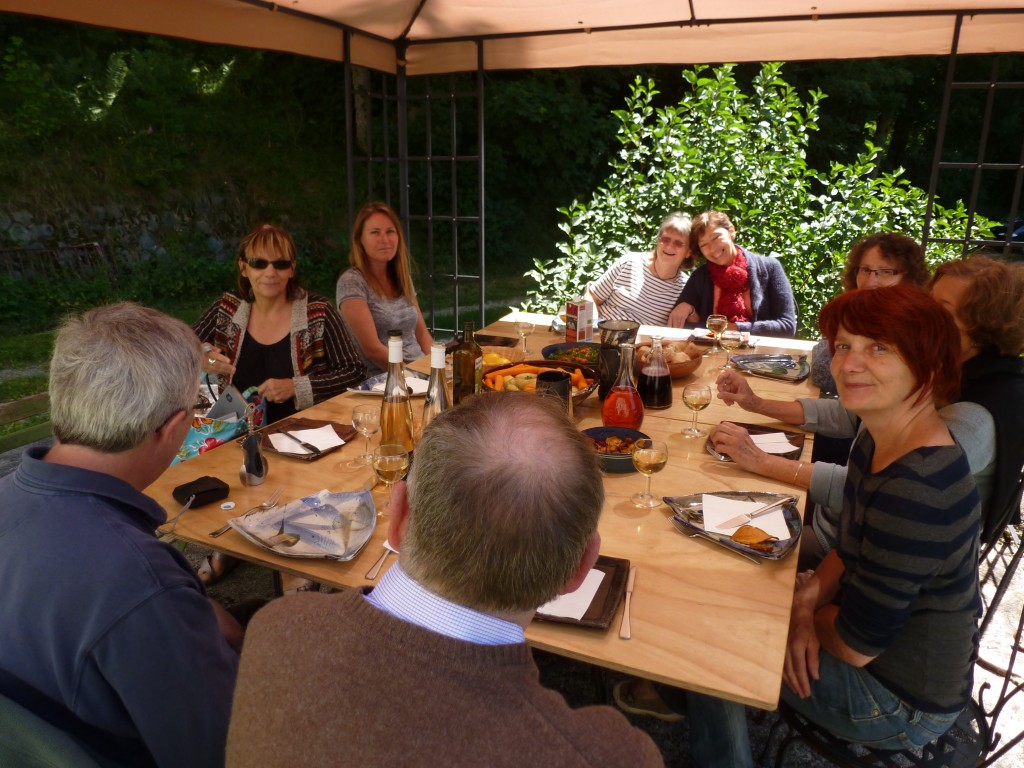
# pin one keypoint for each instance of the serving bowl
(584, 352)
(615, 462)
(676, 369)
(578, 396)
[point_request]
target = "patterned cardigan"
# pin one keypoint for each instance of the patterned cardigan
(324, 358)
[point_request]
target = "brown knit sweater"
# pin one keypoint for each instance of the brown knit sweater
(331, 680)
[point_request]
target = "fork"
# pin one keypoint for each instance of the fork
(270, 503)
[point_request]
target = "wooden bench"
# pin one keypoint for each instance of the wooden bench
(20, 410)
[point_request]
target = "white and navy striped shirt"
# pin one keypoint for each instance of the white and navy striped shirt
(630, 290)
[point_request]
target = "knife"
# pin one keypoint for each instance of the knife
(625, 631)
(745, 518)
(308, 446)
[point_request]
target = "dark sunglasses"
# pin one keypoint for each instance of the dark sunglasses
(280, 264)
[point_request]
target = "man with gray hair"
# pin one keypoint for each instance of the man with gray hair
(431, 667)
(105, 631)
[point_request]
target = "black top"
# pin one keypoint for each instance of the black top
(997, 384)
(259, 362)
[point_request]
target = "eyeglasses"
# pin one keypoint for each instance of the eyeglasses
(202, 405)
(667, 241)
(280, 264)
(866, 271)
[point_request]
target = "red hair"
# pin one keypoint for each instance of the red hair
(909, 319)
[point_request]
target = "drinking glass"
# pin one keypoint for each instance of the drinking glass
(729, 341)
(390, 462)
(649, 456)
(697, 397)
(716, 324)
(366, 420)
(524, 329)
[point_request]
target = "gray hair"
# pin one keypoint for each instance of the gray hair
(504, 496)
(118, 373)
(678, 221)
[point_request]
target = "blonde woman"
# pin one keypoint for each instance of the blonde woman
(375, 294)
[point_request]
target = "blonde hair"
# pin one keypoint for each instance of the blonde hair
(399, 269)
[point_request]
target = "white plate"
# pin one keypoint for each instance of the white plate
(416, 381)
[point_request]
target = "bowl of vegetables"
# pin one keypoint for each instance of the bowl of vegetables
(522, 377)
(582, 352)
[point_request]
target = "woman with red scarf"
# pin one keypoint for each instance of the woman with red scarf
(749, 289)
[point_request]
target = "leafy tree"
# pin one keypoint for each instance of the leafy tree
(744, 153)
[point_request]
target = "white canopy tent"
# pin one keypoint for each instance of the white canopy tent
(439, 36)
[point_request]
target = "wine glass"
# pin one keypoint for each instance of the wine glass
(390, 462)
(649, 456)
(697, 397)
(716, 324)
(366, 420)
(729, 341)
(524, 329)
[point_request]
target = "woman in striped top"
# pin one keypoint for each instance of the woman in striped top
(644, 286)
(883, 635)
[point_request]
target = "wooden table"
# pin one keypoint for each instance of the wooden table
(703, 618)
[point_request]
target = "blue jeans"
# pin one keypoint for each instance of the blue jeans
(853, 705)
(718, 728)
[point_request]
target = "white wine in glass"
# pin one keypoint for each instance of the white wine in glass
(390, 463)
(366, 421)
(524, 329)
(729, 341)
(717, 325)
(697, 397)
(649, 456)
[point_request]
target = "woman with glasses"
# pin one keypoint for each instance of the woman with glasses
(273, 335)
(875, 261)
(375, 294)
(749, 289)
(643, 286)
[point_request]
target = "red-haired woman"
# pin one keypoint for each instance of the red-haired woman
(375, 294)
(883, 635)
(749, 289)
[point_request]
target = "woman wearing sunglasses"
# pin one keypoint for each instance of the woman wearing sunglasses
(375, 294)
(273, 335)
(644, 286)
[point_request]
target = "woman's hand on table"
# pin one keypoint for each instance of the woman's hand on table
(216, 362)
(734, 388)
(734, 441)
(277, 390)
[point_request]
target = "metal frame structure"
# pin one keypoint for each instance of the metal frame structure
(979, 167)
(382, 165)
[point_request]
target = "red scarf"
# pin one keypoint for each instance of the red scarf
(732, 284)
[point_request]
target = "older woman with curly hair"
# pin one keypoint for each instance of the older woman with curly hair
(875, 261)
(375, 294)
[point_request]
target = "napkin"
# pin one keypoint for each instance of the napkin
(322, 437)
(718, 509)
(417, 386)
(667, 334)
(574, 604)
(773, 442)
